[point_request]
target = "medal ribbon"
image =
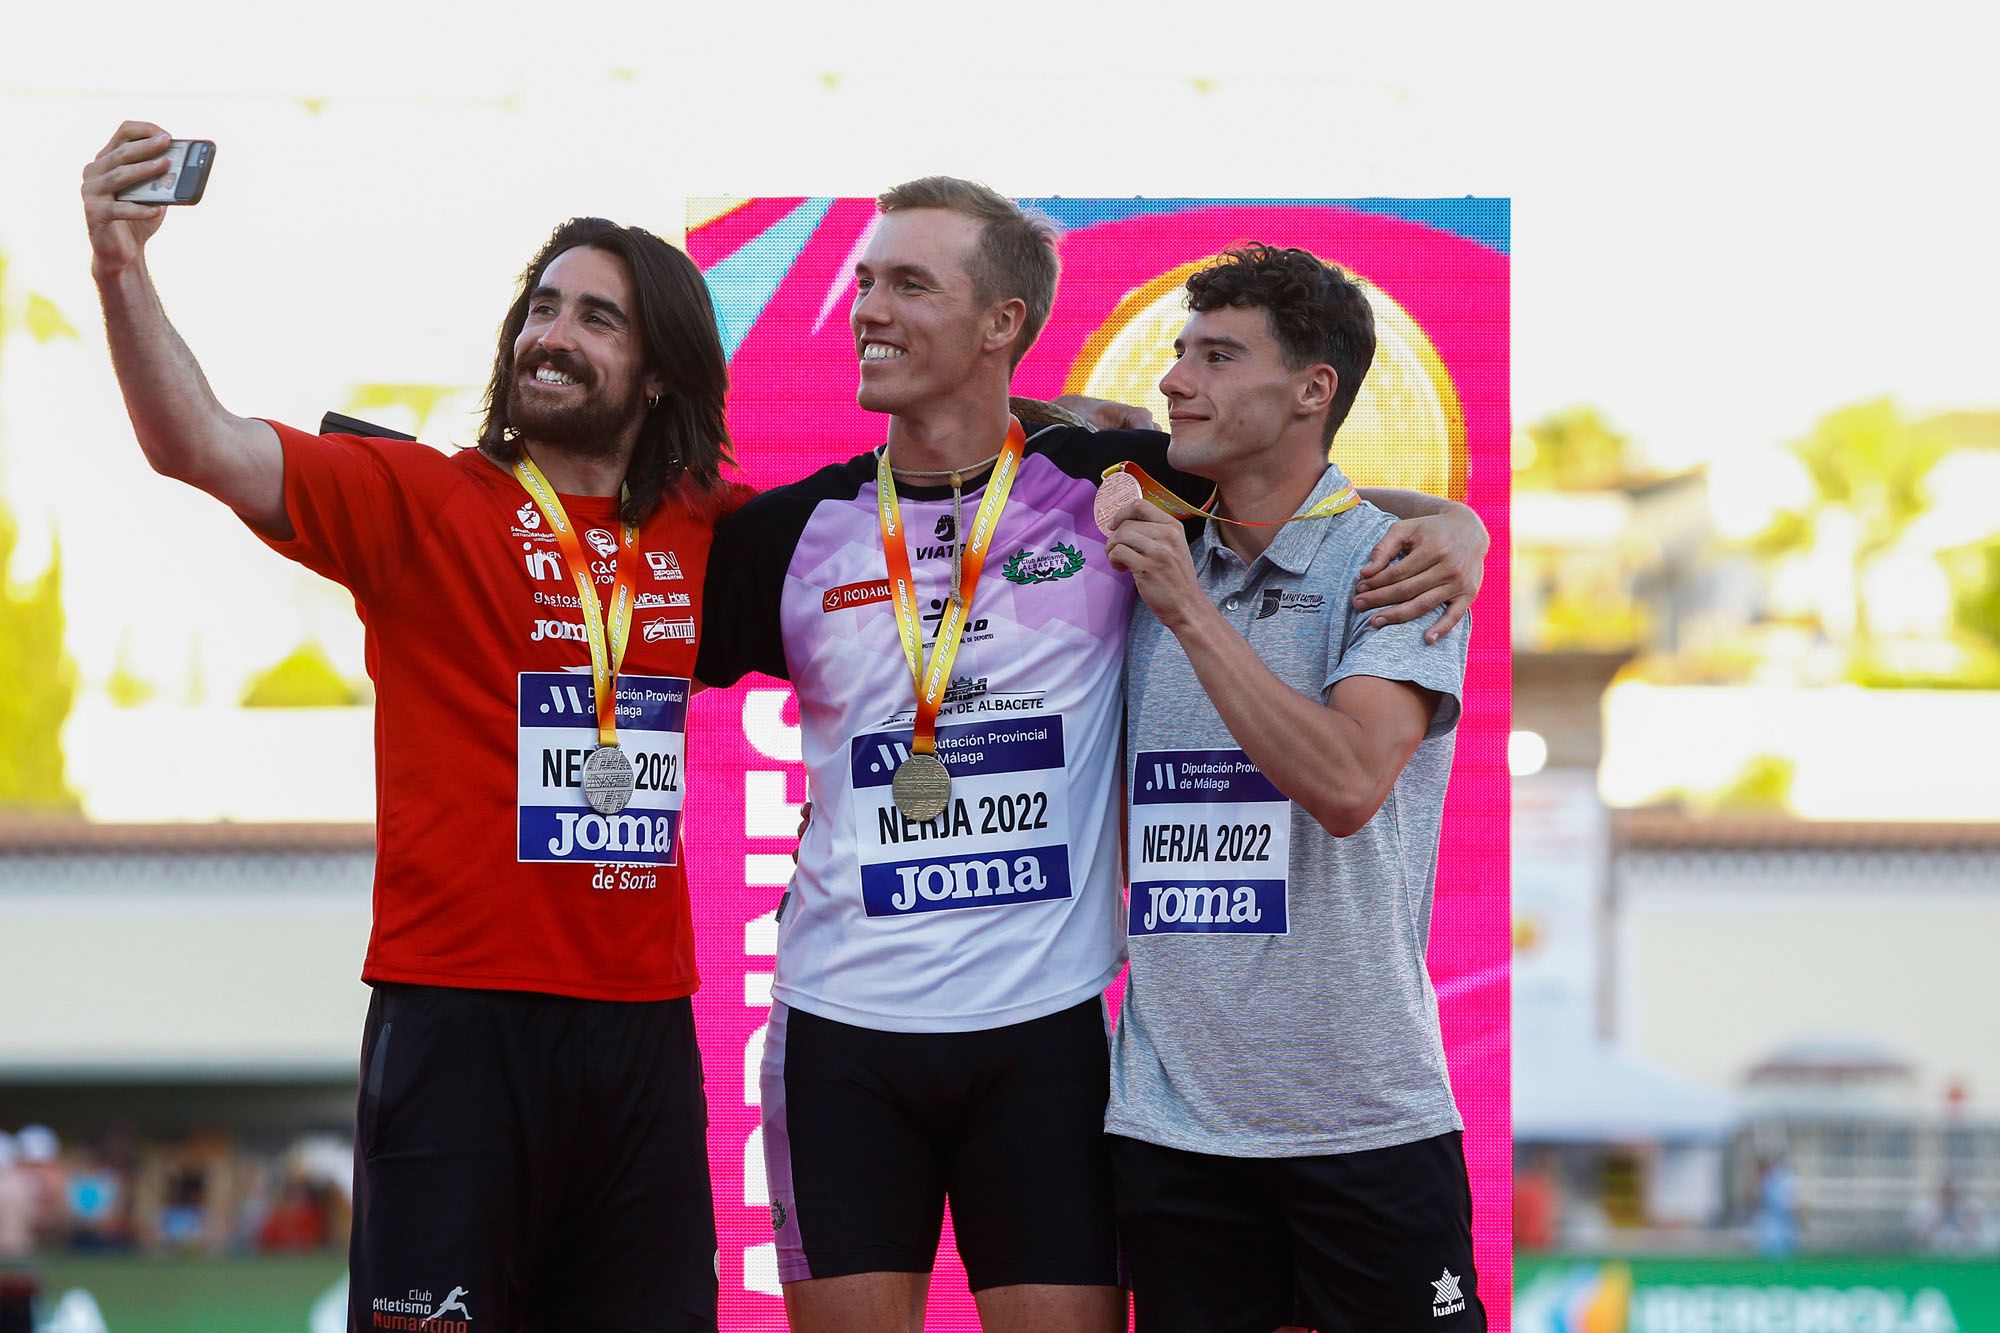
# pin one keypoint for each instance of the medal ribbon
(605, 658)
(1165, 499)
(932, 678)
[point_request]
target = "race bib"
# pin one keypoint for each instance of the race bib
(1211, 843)
(558, 729)
(1003, 837)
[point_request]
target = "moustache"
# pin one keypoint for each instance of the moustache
(573, 366)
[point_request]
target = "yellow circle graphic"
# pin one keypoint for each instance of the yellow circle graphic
(1406, 427)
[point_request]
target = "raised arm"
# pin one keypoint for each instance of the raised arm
(185, 433)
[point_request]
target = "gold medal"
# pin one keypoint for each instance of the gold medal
(921, 787)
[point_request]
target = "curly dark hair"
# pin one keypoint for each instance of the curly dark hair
(685, 437)
(1317, 312)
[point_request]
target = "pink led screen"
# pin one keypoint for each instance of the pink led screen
(1433, 414)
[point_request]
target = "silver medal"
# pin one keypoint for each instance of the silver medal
(607, 779)
(921, 787)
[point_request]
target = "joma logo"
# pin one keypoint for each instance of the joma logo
(942, 881)
(610, 833)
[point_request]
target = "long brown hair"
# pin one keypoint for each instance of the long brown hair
(686, 435)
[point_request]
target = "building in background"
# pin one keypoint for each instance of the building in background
(1756, 886)
(205, 974)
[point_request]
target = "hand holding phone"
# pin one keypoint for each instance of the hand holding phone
(137, 157)
(186, 176)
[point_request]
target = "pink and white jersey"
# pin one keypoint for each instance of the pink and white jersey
(1007, 906)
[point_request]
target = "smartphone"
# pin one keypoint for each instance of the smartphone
(186, 178)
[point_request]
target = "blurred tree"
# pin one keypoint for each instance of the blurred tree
(41, 683)
(1576, 594)
(1974, 572)
(304, 678)
(1763, 786)
(127, 688)
(1575, 449)
(1870, 461)
(34, 662)
(1867, 464)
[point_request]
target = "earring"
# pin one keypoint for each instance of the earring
(653, 402)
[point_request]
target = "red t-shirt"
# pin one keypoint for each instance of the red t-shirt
(482, 712)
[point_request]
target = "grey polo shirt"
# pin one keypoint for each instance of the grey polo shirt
(1278, 1002)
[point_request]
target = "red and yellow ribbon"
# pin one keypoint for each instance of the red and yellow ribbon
(607, 649)
(932, 678)
(1339, 503)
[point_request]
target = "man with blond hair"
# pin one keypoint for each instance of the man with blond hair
(944, 607)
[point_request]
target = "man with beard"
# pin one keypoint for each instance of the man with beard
(531, 1133)
(938, 1028)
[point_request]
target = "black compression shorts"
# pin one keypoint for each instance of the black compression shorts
(866, 1133)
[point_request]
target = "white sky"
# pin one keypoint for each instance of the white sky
(1727, 219)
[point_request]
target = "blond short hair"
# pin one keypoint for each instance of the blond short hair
(1016, 254)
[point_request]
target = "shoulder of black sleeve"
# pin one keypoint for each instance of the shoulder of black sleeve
(744, 590)
(1088, 453)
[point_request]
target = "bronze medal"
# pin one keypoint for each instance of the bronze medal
(921, 787)
(607, 779)
(1116, 491)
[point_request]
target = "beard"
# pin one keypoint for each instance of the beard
(591, 425)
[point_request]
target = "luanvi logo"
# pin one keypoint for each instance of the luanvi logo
(777, 1214)
(1284, 599)
(1449, 1300)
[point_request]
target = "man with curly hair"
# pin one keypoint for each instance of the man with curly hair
(531, 1131)
(1283, 1136)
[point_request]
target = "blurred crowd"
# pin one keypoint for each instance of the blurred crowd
(198, 1193)
(1568, 1199)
